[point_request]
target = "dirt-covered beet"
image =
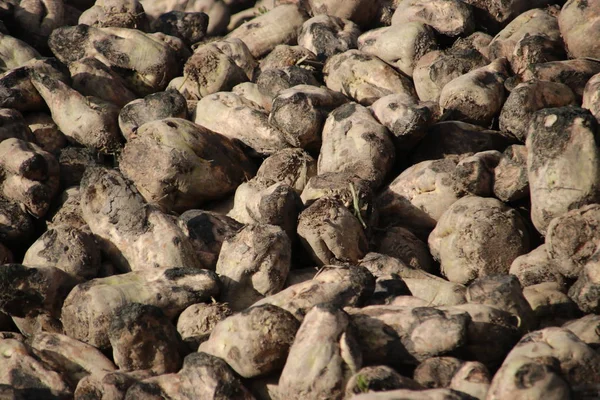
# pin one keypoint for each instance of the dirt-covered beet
(299, 199)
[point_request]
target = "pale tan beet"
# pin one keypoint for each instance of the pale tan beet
(92, 78)
(284, 55)
(191, 165)
(278, 26)
(503, 292)
(330, 232)
(529, 97)
(353, 141)
(402, 244)
(300, 113)
(584, 291)
(493, 15)
(541, 376)
(478, 41)
(249, 91)
(363, 12)
(17, 90)
(491, 334)
(117, 13)
(591, 96)
(211, 70)
(586, 329)
(208, 230)
(532, 22)
(377, 79)
(156, 106)
(546, 358)
(217, 11)
(478, 95)
(406, 394)
(14, 52)
(240, 54)
(573, 73)
(46, 133)
(190, 27)
(17, 225)
(73, 162)
(136, 236)
(20, 362)
(472, 378)
(68, 210)
(41, 323)
(437, 68)
(175, 44)
(69, 249)
(231, 115)
(148, 64)
(19, 157)
(437, 372)
(572, 239)
(258, 202)
(579, 21)
(550, 304)
(142, 337)
(418, 197)
(562, 155)
(341, 286)
(425, 287)
(197, 321)
(275, 80)
(355, 193)
(89, 121)
(203, 376)
(436, 292)
(379, 378)
(262, 272)
(535, 49)
(337, 184)
(30, 175)
(294, 167)
(324, 355)
(73, 359)
(536, 267)
(87, 312)
(397, 335)
(474, 175)
(406, 119)
(38, 18)
(456, 139)
(259, 350)
(32, 291)
(112, 385)
(342, 35)
(448, 17)
(400, 45)
(477, 237)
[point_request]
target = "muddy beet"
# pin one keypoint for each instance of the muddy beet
(299, 199)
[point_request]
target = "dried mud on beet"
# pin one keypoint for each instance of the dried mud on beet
(300, 199)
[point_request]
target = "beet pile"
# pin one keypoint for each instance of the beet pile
(300, 199)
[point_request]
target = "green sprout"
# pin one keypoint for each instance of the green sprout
(362, 384)
(261, 10)
(356, 204)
